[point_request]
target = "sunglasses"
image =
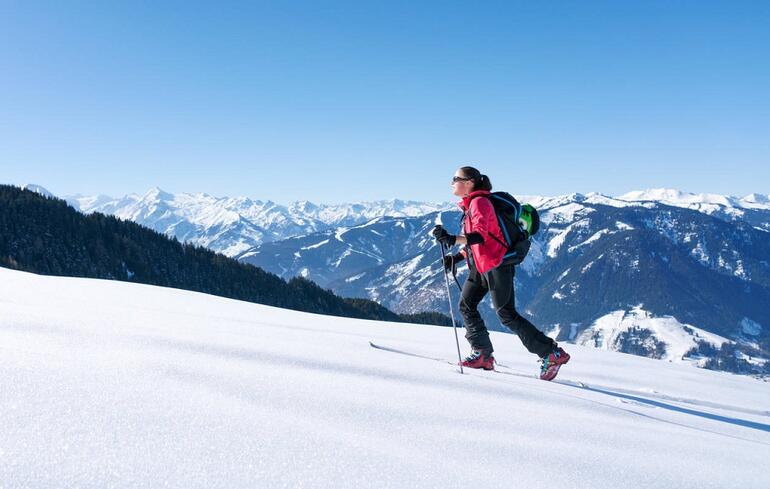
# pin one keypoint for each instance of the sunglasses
(460, 179)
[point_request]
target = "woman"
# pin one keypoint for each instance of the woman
(489, 272)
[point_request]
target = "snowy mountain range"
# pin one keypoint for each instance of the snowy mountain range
(234, 225)
(114, 384)
(659, 273)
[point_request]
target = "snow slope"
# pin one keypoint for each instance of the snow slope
(111, 384)
(678, 338)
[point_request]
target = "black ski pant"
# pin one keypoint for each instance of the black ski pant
(499, 282)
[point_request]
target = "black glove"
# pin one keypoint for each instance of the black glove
(451, 261)
(443, 236)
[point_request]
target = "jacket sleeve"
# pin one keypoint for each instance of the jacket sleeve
(482, 215)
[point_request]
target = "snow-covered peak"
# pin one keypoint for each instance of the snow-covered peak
(652, 194)
(543, 203)
(676, 338)
(86, 203)
(302, 206)
(38, 189)
(757, 199)
(157, 194)
(598, 198)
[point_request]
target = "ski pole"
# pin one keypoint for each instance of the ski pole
(451, 311)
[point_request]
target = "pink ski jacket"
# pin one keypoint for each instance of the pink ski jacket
(480, 218)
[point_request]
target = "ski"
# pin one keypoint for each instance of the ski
(408, 353)
(508, 370)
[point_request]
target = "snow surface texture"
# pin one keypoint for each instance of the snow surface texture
(111, 384)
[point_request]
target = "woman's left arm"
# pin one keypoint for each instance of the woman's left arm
(481, 211)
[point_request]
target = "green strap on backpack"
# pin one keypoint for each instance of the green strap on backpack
(529, 220)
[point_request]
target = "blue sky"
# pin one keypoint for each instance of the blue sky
(342, 101)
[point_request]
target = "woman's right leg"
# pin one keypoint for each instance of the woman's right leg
(474, 290)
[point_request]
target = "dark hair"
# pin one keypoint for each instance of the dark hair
(480, 182)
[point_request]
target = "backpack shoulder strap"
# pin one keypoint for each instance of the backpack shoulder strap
(489, 198)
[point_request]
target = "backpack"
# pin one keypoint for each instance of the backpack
(518, 224)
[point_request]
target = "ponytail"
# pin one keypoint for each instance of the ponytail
(483, 183)
(480, 182)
